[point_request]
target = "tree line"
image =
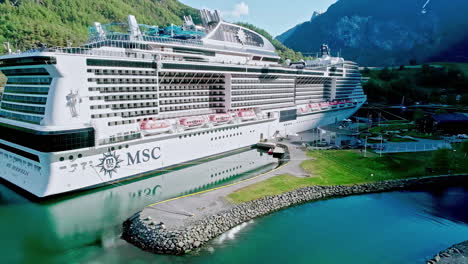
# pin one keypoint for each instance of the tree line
(442, 84)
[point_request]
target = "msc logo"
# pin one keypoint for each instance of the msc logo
(143, 156)
(109, 163)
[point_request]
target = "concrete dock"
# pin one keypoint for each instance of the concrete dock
(175, 212)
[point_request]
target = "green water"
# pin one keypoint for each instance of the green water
(398, 227)
(86, 227)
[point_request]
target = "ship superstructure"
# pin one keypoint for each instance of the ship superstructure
(129, 103)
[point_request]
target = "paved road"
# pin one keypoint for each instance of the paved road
(174, 213)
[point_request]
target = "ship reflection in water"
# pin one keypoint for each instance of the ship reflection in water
(77, 227)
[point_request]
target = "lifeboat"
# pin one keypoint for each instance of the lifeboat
(304, 109)
(192, 122)
(151, 127)
(324, 105)
(246, 115)
(314, 107)
(218, 119)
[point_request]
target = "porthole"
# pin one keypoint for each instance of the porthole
(62, 159)
(80, 156)
(70, 157)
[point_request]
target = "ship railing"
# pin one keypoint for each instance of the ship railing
(94, 52)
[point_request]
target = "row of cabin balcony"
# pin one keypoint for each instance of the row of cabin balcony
(189, 101)
(261, 102)
(129, 97)
(39, 90)
(262, 81)
(29, 118)
(190, 81)
(282, 86)
(180, 96)
(183, 108)
(261, 92)
(272, 105)
(122, 81)
(185, 88)
(124, 89)
(309, 93)
(122, 72)
(309, 85)
(124, 106)
(191, 75)
(247, 99)
(127, 114)
(22, 108)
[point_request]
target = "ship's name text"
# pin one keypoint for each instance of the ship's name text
(144, 155)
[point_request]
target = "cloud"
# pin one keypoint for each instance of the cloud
(239, 10)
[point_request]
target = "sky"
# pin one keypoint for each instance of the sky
(272, 15)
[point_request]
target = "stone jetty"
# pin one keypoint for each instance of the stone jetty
(456, 254)
(188, 234)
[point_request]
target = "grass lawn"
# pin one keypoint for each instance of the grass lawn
(391, 127)
(416, 134)
(343, 167)
(461, 66)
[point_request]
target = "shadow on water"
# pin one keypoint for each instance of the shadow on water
(87, 225)
(448, 203)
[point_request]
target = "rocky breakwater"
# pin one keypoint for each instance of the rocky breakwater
(155, 237)
(456, 254)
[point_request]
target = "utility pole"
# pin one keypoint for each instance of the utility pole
(365, 148)
(381, 145)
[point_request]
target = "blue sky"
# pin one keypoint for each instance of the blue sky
(274, 16)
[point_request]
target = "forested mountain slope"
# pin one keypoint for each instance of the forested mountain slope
(24, 23)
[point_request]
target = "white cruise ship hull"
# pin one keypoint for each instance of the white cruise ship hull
(61, 172)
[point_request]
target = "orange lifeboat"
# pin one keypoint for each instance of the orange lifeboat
(304, 109)
(150, 127)
(192, 122)
(218, 119)
(314, 107)
(246, 115)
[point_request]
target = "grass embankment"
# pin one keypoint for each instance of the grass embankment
(344, 167)
(403, 129)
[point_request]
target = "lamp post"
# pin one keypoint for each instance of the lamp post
(365, 148)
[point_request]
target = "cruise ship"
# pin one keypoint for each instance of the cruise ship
(137, 99)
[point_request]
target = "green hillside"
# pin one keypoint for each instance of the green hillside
(438, 83)
(55, 22)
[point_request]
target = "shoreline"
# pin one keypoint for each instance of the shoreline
(188, 231)
(456, 254)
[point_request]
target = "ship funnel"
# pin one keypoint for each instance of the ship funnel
(134, 29)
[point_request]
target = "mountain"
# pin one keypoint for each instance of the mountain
(291, 31)
(387, 32)
(283, 51)
(56, 22)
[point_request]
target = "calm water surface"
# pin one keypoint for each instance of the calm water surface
(398, 227)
